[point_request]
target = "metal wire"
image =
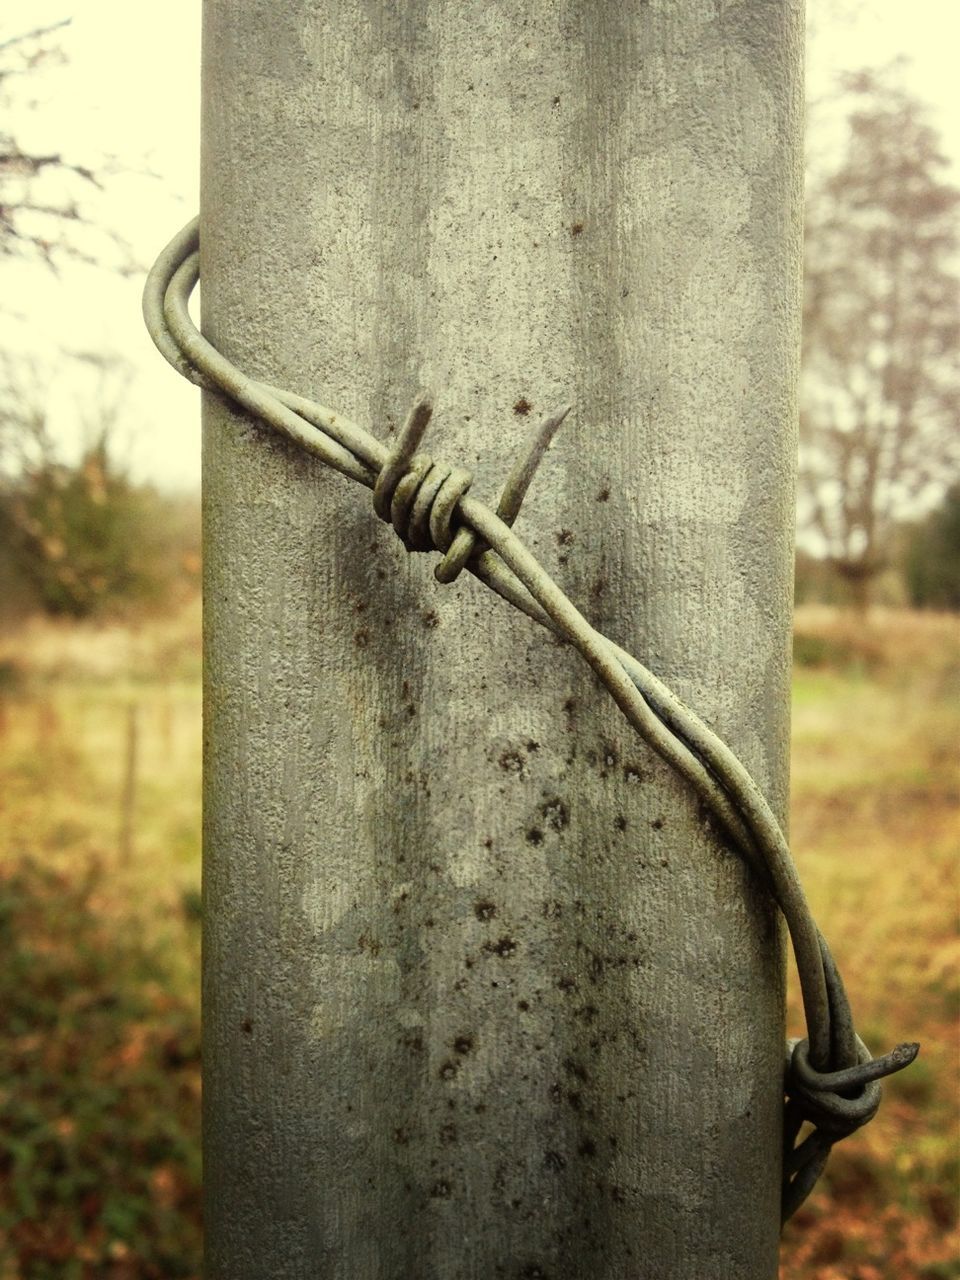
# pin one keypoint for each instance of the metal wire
(830, 1078)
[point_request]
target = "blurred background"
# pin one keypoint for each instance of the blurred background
(100, 644)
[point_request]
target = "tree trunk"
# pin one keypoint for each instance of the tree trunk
(484, 995)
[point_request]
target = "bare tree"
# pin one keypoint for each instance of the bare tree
(881, 385)
(43, 193)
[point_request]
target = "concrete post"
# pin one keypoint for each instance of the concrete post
(484, 996)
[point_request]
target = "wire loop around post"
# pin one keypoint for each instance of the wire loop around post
(830, 1079)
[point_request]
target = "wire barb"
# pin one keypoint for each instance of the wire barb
(830, 1078)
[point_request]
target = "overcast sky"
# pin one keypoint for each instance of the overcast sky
(130, 88)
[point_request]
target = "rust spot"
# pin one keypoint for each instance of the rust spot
(522, 407)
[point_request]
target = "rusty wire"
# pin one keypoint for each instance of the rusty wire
(831, 1081)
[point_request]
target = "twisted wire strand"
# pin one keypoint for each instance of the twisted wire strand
(831, 1081)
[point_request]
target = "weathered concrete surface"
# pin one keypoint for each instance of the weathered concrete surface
(483, 996)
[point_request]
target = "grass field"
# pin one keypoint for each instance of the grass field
(99, 933)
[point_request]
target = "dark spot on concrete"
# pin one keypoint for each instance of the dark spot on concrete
(463, 1044)
(599, 586)
(556, 1093)
(361, 638)
(587, 1147)
(618, 1195)
(588, 1012)
(632, 774)
(368, 944)
(658, 824)
(412, 1040)
(522, 407)
(577, 229)
(555, 1160)
(552, 910)
(440, 1190)
(449, 1069)
(555, 814)
(511, 762)
(575, 1100)
(533, 746)
(603, 495)
(401, 1137)
(523, 1005)
(556, 101)
(505, 947)
(532, 1271)
(484, 909)
(566, 983)
(247, 1027)
(534, 836)
(448, 1133)
(575, 1069)
(620, 822)
(564, 537)
(430, 619)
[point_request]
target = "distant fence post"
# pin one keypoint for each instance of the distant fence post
(484, 994)
(128, 793)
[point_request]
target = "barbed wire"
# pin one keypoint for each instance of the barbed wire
(831, 1081)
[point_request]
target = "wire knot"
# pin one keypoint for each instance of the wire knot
(421, 497)
(835, 1103)
(838, 1102)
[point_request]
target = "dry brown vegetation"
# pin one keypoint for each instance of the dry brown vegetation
(99, 909)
